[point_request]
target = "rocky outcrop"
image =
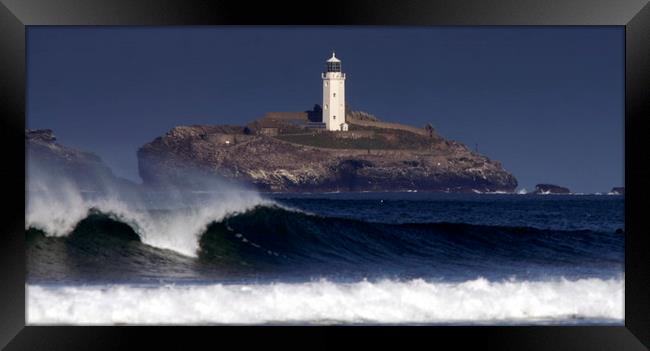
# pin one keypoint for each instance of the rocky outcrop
(301, 163)
(550, 189)
(51, 161)
(617, 191)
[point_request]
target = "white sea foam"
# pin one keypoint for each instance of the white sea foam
(56, 206)
(325, 302)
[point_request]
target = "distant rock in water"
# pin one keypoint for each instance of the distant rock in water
(49, 160)
(550, 189)
(287, 152)
(617, 191)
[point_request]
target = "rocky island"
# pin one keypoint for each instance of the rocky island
(617, 190)
(550, 189)
(291, 152)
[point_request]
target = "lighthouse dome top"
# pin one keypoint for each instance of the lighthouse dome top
(333, 64)
(333, 58)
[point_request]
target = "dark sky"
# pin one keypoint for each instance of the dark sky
(546, 102)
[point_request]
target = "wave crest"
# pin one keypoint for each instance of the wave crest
(261, 232)
(56, 208)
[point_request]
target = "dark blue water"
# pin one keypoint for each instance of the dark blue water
(349, 237)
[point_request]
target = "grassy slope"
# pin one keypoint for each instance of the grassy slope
(382, 139)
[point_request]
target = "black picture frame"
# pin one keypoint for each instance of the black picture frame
(634, 15)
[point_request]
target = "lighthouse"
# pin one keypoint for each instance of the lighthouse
(334, 95)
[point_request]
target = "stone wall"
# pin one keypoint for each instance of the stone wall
(357, 134)
(284, 116)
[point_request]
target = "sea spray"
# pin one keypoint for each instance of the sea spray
(55, 205)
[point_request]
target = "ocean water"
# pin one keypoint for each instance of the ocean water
(348, 258)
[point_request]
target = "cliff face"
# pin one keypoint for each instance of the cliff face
(367, 158)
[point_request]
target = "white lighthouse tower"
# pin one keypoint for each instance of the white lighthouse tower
(334, 95)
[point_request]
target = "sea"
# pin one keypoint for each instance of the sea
(383, 258)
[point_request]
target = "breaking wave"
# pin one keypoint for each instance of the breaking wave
(56, 207)
(417, 301)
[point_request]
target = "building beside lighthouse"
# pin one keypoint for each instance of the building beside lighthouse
(334, 95)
